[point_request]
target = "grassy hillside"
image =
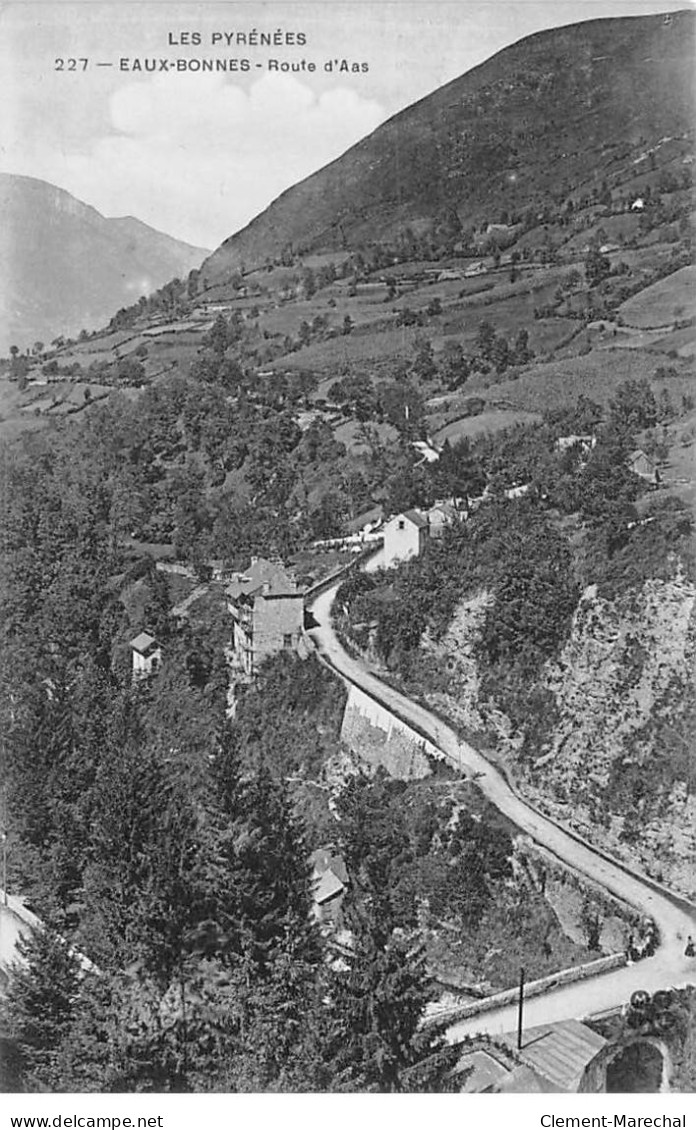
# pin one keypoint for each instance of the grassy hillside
(663, 303)
(558, 112)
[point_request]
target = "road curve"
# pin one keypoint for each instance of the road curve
(674, 917)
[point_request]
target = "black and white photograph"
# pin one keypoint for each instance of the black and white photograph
(347, 559)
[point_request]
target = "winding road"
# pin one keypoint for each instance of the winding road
(674, 916)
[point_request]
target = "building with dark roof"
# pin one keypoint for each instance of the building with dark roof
(267, 610)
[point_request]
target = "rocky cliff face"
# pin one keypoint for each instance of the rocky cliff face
(620, 759)
(617, 760)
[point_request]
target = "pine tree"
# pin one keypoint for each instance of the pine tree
(39, 1005)
(260, 934)
(376, 1008)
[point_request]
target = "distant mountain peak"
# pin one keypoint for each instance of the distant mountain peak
(66, 267)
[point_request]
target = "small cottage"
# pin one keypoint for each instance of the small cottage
(440, 516)
(329, 882)
(405, 536)
(147, 655)
(641, 464)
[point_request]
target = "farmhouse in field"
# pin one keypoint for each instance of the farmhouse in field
(641, 464)
(147, 655)
(267, 610)
(405, 536)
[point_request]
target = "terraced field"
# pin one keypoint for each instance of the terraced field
(663, 303)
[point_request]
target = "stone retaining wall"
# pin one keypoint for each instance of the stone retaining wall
(378, 737)
(533, 989)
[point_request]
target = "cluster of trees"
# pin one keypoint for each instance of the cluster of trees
(166, 463)
(171, 299)
(494, 351)
(413, 852)
(397, 402)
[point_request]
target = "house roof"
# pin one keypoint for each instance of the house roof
(325, 860)
(484, 1072)
(559, 1053)
(327, 886)
(269, 578)
(144, 643)
(329, 876)
(416, 517)
(357, 524)
(523, 1081)
(445, 508)
(640, 454)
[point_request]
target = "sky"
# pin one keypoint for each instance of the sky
(198, 154)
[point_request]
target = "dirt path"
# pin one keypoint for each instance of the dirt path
(182, 608)
(674, 917)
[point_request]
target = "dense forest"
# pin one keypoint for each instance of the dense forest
(158, 840)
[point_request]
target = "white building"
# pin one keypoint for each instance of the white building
(405, 536)
(147, 655)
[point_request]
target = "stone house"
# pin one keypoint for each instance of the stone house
(405, 536)
(267, 610)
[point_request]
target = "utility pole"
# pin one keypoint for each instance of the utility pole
(4, 868)
(520, 1006)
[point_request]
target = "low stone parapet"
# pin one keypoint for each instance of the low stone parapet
(574, 973)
